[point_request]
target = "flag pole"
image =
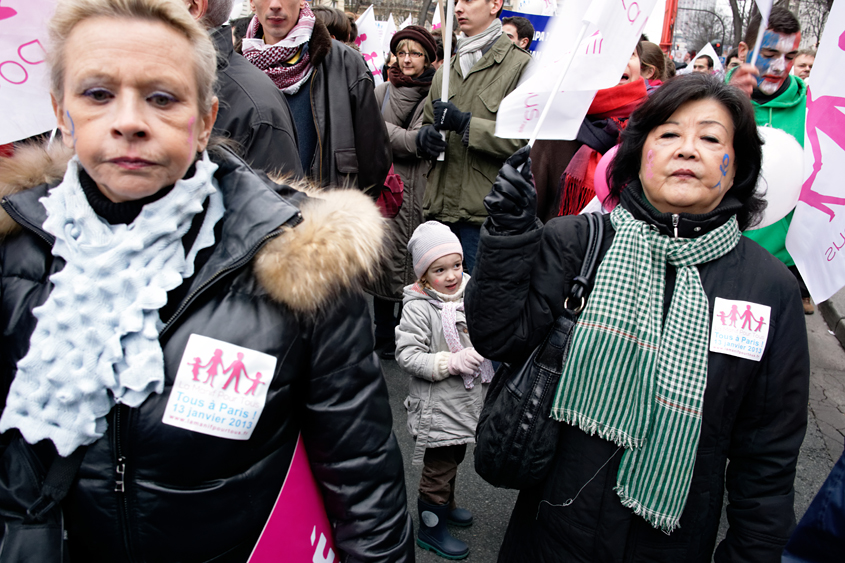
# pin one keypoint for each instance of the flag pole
(548, 106)
(764, 24)
(447, 57)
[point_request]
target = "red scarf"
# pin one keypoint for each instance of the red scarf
(615, 104)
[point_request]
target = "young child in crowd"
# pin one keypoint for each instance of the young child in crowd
(448, 381)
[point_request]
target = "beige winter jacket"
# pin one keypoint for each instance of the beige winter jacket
(440, 413)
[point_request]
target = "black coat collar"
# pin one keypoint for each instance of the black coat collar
(688, 225)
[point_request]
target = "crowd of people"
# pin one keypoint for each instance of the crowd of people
(224, 190)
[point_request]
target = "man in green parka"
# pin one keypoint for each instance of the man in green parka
(485, 69)
(780, 101)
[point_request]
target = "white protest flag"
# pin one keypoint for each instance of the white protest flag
(369, 41)
(538, 7)
(24, 76)
(436, 19)
(389, 32)
(611, 34)
(765, 8)
(408, 21)
(816, 238)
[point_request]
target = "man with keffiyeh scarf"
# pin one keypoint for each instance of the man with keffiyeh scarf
(342, 140)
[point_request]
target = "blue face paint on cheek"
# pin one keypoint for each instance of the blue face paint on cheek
(723, 168)
(72, 128)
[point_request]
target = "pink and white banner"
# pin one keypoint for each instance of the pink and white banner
(816, 238)
(369, 41)
(613, 29)
(436, 19)
(24, 76)
(298, 528)
(408, 21)
(388, 33)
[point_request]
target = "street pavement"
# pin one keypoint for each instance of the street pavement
(491, 506)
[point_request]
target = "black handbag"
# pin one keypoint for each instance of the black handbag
(516, 436)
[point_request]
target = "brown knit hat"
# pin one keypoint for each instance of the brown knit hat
(419, 34)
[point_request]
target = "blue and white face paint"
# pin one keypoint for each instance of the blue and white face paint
(777, 54)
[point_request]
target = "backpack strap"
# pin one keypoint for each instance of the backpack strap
(60, 477)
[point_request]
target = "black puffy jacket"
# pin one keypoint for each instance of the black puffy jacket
(755, 413)
(272, 284)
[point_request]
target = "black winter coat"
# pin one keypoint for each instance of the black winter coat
(253, 112)
(274, 283)
(755, 413)
(352, 142)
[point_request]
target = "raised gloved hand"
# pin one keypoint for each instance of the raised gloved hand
(430, 143)
(465, 362)
(447, 116)
(512, 202)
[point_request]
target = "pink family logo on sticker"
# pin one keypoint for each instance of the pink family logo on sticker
(226, 408)
(740, 328)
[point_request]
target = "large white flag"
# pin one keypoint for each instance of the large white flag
(613, 30)
(408, 21)
(369, 41)
(24, 76)
(389, 32)
(816, 239)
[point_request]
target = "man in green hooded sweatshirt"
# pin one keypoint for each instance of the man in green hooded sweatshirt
(780, 101)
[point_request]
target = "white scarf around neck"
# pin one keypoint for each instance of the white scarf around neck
(96, 338)
(469, 48)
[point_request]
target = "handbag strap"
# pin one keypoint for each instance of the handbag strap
(59, 479)
(582, 283)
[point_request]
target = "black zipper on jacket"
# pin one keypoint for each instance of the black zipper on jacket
(233, 266)
(24, 222)
(120, 463)
(316, 126)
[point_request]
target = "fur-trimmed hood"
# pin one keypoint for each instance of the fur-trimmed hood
(340, 238)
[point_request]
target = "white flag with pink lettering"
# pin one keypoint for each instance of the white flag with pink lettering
(612, 32)
(816, 238)
(369, 41)
(24, 76)
(389, 32)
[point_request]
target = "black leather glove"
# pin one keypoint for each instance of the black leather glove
(430, 143)
(512, 203)
(447, 116)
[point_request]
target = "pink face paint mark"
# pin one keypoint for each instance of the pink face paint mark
(649, 166)
(191, 130)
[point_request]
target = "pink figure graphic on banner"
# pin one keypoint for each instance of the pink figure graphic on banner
(371, 58)
(6, 12)
(212, 365)
(722, 315)
(823, 114)
(236, 368)
(760, 324)
(255, 383)
(734, 315)
(747, 317)
(360, 39)
(195, 368)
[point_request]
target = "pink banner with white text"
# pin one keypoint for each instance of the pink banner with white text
(298, 529)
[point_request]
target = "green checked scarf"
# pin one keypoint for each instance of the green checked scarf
(635, 382)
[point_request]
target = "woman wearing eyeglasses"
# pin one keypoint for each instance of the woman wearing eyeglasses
(401, 100)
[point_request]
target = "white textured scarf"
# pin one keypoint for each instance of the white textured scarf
(96, 338)
(469, 48)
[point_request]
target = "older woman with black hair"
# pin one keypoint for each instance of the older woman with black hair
(661, 387)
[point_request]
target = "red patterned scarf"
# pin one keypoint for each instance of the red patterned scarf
(613, 107)
(272, 59)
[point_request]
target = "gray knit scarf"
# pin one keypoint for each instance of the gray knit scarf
(469, 48)
(96, 338)
(639, 382)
